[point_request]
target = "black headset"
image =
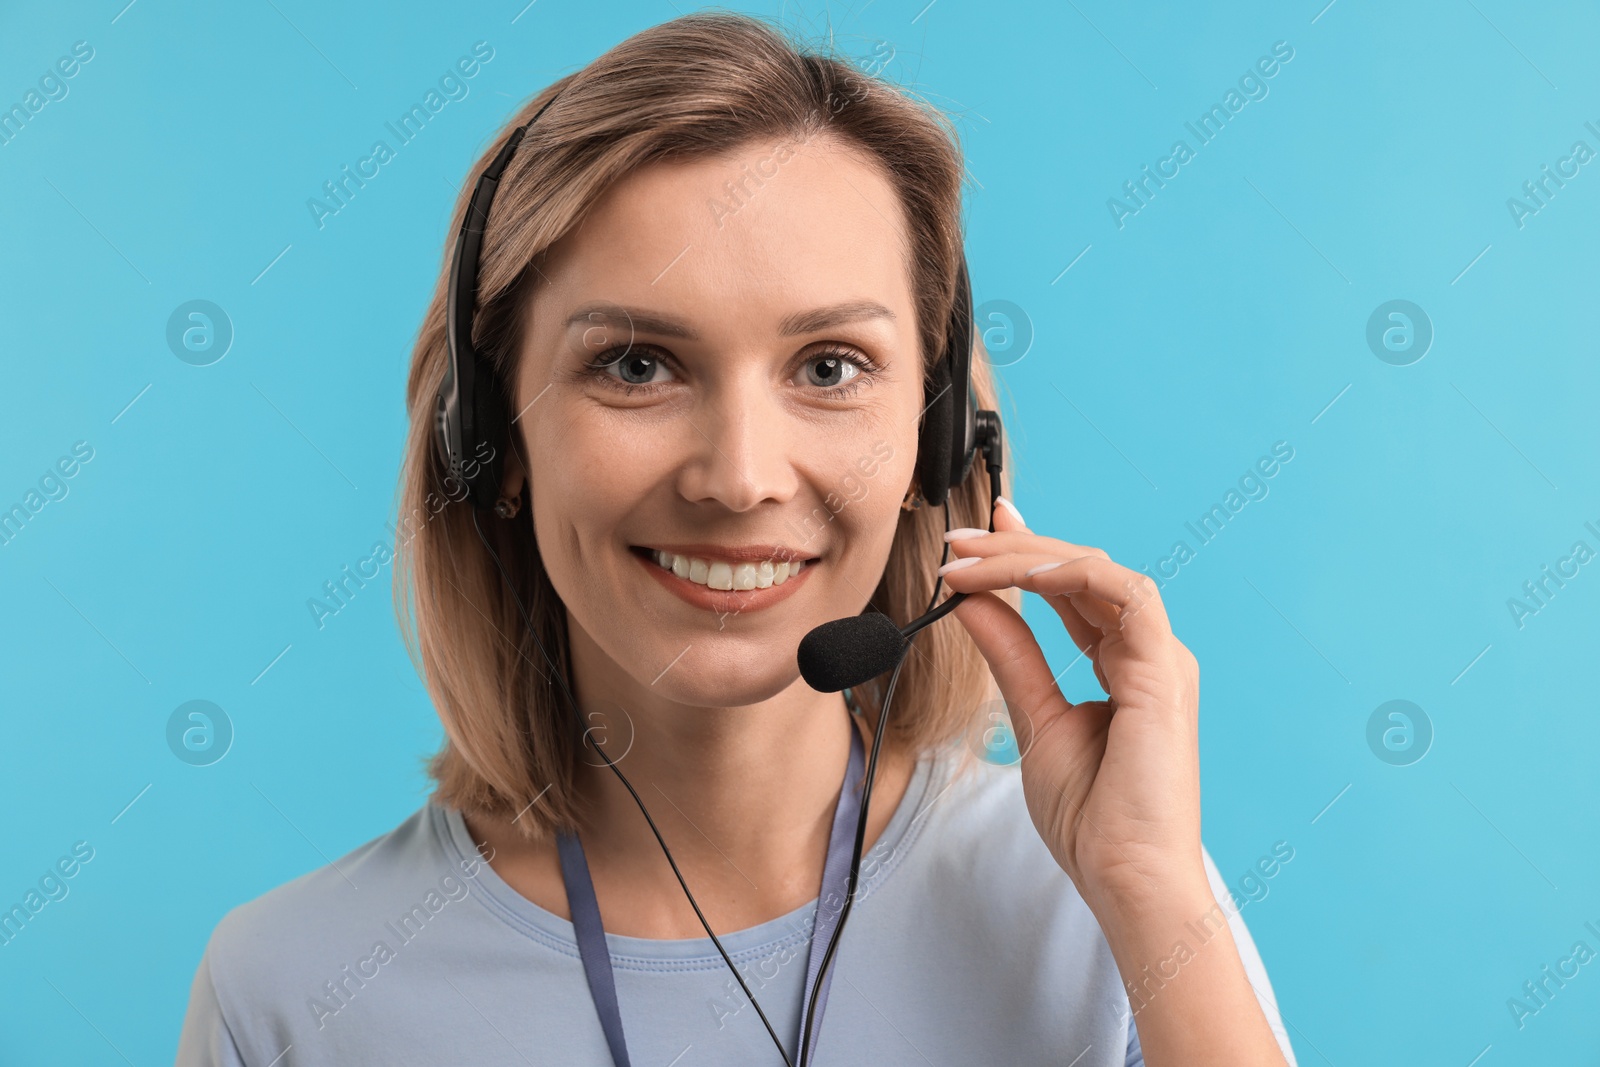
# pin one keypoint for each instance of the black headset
(472, 406)
(472, 431)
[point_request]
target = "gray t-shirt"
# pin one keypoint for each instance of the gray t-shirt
(967, 944)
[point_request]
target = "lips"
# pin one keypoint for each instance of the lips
(720, 563)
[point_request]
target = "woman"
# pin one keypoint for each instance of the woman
(712, 283)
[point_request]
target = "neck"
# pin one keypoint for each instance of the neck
(743, 796)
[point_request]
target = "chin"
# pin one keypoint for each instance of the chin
(722, 677)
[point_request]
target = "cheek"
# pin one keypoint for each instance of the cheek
(867, 480)
(582, 486)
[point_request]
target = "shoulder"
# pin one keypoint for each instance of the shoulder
(292, 916)
(271, 961)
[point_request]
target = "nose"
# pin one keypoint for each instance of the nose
(740, 448)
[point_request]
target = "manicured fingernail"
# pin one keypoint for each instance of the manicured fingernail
(964, 532)
(957, 564)
(1009, 506)
(1041, 568)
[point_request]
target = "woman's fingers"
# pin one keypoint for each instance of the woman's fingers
(1086, 632)
(1019, 667)
(966, 543)
(983, 543)
(1139, 612)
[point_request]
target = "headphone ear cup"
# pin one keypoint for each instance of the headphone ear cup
(935, 439)
(948, 438)
(441, 430)
(963, 406)
(487, 461)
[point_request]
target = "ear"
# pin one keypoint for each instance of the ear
(513, 475)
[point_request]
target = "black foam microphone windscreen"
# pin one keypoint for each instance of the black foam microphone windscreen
(848, 652)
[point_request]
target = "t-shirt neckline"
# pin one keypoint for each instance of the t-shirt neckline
(654, 954)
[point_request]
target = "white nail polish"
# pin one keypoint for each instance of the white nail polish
(963, 533)
(1041, 568)
(1009, 506)
(957, 564)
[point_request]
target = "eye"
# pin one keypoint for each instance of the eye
(632, 367)
(829, 370)
(838, 371)
(834, 372)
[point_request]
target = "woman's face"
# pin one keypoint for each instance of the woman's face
(752, 403)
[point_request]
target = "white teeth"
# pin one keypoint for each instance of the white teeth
(720, 574)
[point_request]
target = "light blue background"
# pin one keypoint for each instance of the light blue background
(1228, 314)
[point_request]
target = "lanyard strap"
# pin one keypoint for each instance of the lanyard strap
(835, 882)
(592, 943)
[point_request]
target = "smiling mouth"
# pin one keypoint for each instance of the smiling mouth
(724, 574)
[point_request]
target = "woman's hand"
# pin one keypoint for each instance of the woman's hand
(1113, 786)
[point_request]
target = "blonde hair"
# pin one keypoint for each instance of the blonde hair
(694, 87)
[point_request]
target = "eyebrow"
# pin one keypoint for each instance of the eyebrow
(646, 321)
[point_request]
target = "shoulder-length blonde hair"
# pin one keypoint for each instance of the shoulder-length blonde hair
(696, 86)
